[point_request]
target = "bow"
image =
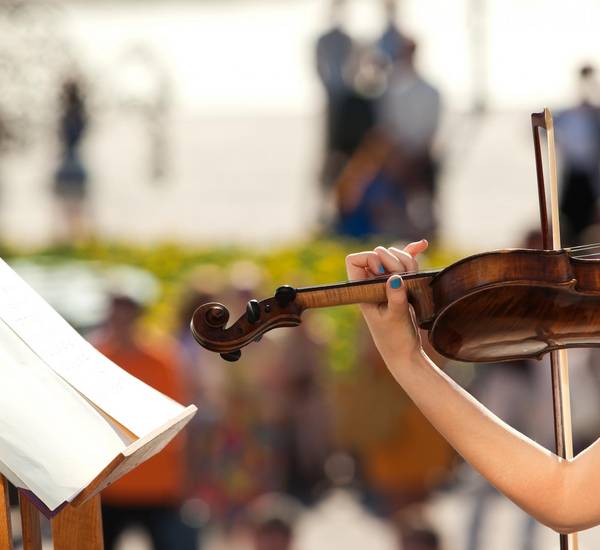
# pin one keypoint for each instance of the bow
(559, 360)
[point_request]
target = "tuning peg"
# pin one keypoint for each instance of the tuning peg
(285, 295)
(232, 356)
(253, 311)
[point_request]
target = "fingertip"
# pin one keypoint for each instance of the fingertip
(395, 282)
(417, 247)
(395, 289)
(396, 293)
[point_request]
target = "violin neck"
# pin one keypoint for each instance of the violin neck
(372, 291)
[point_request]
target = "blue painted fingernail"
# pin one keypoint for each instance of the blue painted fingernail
(381, 269)
(396, 283)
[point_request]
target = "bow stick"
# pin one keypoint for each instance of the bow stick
(559, 361)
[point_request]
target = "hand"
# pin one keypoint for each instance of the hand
(391, 324)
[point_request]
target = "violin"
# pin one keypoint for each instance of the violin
(497, 306)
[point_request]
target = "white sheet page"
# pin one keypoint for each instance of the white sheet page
(134, 404)
(51, 438)
(11, 476)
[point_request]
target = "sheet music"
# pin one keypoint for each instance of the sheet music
(126, 399)
(51, 440)
(11, 476)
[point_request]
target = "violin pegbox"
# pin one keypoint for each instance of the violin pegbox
(209, 322)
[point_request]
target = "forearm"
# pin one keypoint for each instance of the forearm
(524, 471)
(563, 494)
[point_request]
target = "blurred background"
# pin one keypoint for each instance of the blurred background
(158, 155)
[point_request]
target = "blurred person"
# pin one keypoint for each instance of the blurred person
(333, 51)
(273, 534)
(306, 417)
(409, 115)
(358, 190)
(418, 538)
(71, 179)
(243, 445)
(562, 494)
(578, 140)
(272, 518)
(388, 187)
(401, 458)
(358, 110)
(361, 147)
(151, 495)
(392, 41)
(205, 376)
(366, 82)
(409, 109)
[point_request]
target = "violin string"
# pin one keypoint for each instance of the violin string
(587, 255)
(588, 250)
(428, 271)
(583, 247)
(580, 248)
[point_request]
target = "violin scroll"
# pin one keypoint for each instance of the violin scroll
(209, 322)
(216, 315)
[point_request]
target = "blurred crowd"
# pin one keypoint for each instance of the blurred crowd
(381, 122)
(382, 159)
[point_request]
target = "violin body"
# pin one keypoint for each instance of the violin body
(497, 306)
(514, 304)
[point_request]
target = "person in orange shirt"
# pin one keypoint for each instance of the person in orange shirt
(150, 496)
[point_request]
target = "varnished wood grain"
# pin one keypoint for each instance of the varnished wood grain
(371, 292)
(500, 324)
(5, 526)
(209, 324)
(79, 528)
(100, 482)
(30, 522)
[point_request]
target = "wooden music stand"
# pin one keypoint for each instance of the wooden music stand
(73, 528)
(78, 525)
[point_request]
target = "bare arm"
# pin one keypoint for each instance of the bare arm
(564, 495)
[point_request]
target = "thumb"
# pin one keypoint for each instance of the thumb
(397, 298)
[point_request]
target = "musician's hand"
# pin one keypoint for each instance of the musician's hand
(391, 324)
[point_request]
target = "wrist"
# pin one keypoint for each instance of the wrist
(406, 364)
(393, 346)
